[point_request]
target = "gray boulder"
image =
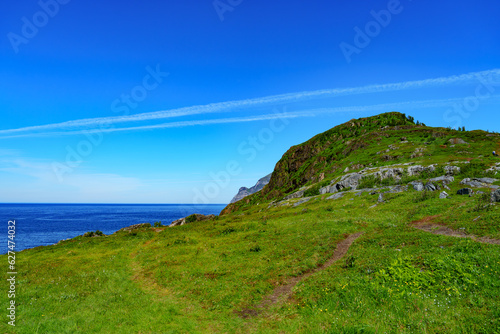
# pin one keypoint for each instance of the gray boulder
(190, 219)
(443, 195)
(347, 181)
(302, 201)
(296, 194)
(350, 181)
(487, 180)
(417, 169)
(385, 173)
(380, 198)
(470, 183)
(465, 191)
(336, 196)
(418, 186)
(451, 170)
(478, 182)
(495, 196)
(445, 179)
(430, 186)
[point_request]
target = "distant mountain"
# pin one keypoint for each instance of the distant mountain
(244, 191)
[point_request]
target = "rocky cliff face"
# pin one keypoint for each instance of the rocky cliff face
(244, 191)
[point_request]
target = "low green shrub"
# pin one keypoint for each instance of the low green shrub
(93, 234)
(255, 249)
(191, 218)
(422, 196)
(482, 203)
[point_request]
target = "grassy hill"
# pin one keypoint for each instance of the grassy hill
(381, 140)
(367, 262)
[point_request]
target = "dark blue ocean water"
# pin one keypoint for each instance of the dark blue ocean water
(46, 224)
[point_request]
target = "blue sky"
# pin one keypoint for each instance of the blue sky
(186, 101)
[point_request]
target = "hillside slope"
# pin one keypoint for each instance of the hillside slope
(361, 242)
(378, 141)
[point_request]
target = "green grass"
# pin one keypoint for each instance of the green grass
(195, 278)
(198, 277)
(364, 142)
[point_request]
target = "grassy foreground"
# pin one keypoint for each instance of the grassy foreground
(197, 278)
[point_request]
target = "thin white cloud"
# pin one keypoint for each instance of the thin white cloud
(396, 106)
(89, 123)
(170, 125)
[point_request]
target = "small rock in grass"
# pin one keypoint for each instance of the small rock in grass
(465, 191)
(430, 186)
(336, 196)
(418, 186)
(443, 195)
(495, 196)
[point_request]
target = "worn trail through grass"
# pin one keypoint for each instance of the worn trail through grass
(283, 292)
(427, 225)
(146, 283)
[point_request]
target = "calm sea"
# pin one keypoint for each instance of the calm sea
(46, 224)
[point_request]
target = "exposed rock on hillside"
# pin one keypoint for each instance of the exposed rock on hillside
(464, 191)
(134, 227)
(244, 191)
(457, 141)
(479, 182)
(347, 181)
(495, 196)
(444, 179)
(354, 155)
(189, 219)
(443, 195)
(415, 170)
(303, 163)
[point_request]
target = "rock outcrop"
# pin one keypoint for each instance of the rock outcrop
(302, 201)
(296, 194)
(464, 191)
(418, 186)
(443, 179)
(443, 195)
(134, 227)
(451, 170)
(484, 182)
(416, 170)
(347, 181)
(189, 219)
(244, 191)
